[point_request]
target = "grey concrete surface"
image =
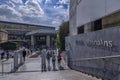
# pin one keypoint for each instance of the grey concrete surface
(52, 75)
(31, 70)
(91, 54)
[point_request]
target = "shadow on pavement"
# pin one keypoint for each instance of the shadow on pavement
(38, 71)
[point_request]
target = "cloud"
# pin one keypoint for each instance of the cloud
(10, 4)
(9, 12)
(37, 20)
(17, 1)
(31, 8)
(48, 2)
(64, 1)
(46, 12)
(56, 21)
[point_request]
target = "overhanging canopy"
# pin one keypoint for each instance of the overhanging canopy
(42, 31)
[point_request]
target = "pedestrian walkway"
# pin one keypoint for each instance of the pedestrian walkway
(31, 65)
(31, 70)
(34, 65)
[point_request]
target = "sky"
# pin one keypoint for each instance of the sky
(40, 12)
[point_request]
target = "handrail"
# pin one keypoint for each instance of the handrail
(3, 62)
(106, 57)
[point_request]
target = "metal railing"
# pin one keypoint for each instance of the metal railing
(3, 63)
(106, 67)
(12, 64)
(18, 60)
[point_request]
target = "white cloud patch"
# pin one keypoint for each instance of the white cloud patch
(64, 1)
(10, 4)
(17, 1)
(60, 11)
(31, 8)
(56, 21)
(48, 1)
(58, 7)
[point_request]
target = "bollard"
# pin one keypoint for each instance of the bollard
(2, 68)
(11, 67)
(2, 62)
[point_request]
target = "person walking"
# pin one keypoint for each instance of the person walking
(7, 54)
(24, 54)
(48, 59)
(53, 60)
(43, 60)
(2, 55)
(59, 60)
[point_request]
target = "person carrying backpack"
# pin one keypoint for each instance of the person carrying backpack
(43, 60)
(48, 59)
(24, 54)
(59, 60)
(53, 59)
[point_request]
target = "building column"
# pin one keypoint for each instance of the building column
(32, 41)
(48, 41)
(52, 42)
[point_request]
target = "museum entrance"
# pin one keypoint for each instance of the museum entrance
(40, 41)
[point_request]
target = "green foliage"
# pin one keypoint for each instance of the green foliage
(63, 32)
(57, 42)
(9, 46)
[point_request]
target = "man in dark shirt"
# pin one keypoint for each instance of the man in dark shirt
(24, 54)
(2, 55)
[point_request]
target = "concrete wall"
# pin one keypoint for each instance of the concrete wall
(96, 53)
(90, 10)
(73, 28)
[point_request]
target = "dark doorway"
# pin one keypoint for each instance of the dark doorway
(80, 29)
(97, 25)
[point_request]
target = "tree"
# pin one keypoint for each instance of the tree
(8, 46)
(63, 32)
(57, 42)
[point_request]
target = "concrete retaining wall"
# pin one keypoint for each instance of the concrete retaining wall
(96, 53)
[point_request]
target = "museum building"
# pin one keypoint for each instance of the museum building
(29, 35)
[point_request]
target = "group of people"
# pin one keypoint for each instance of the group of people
(5, 55)
(49, 56)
